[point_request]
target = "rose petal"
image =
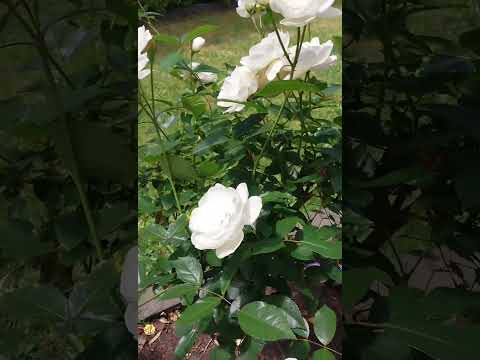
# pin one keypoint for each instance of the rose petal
(274, 69)
(230, 246)
(142, 74)
(242, 190)
(202, 241)
(298, 22)
(325, 6)
(254, 208)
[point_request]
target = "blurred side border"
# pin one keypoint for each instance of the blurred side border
(411, 175)
(68, 179)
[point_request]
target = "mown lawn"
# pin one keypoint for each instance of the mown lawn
(227, 45)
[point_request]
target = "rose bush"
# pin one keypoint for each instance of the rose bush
(233, 184)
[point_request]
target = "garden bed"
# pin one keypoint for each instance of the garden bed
(161, 345)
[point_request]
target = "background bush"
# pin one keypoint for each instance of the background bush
(163, 5)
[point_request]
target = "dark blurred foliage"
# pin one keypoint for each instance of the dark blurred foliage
(411, 179)
(67, 176)
(161, 6)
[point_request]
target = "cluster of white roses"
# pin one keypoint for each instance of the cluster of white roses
(296, 13)
(267, 60)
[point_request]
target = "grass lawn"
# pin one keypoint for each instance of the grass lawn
(227, 45)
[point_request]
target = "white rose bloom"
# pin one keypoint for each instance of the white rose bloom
(144, 36)
(129, 287)
(245, 7)
(217, 223)
(314, 56)
(238, 87)
(266, 51)
(198, 43)
(299, 13)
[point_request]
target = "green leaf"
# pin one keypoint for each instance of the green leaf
(208, 168)
(285, 226)
(320, 240)
(154, 152)
(217, 138)
(42, 303)
(18, 240)
(91, 295)
(298, 350)
(220, 354)
(295, 319)
(279, 197)
(212, 259)
(358, 281)
(189, 270)
(199, 31)
(196, 104)
(176, 233)
(397, 177)
(266, 247)
(280, 86)
(202, 308)
(170, 61)
(181, 168)
(415, 235)
(251, 349)
(265, 322)
(185, 344)
(425, 322)
(325, 324)
(70, 230)
(303, 253)
(206, 68)
(166, 39)
(146, 205)
(231, 268)
(323, 354)
(178, 291)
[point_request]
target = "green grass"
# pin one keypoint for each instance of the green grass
(227, 45)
